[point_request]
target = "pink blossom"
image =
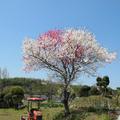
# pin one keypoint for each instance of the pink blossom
(68, 45)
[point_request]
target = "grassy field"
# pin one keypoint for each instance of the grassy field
(75, 107)
(12, 114)
(48, 114)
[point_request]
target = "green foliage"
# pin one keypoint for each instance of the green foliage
(31, 86)
(99, 81)
(17, 94)
(12, 95)
(83, 108)
(76, 89)
(106, 81)
(94, 91)
(102, 83)
(96, 102)
(8, 100)
(17, 90)
(84, 91)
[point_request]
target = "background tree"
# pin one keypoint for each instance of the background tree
(0, 73)
(99, 84)
(13, 96)
(84, 91)
(103, 83)
(76, 89)
(117, 96)
(68, 53)
(94, 91)
(106, 82)
(5, 73)
(17, 93)
(50, 87)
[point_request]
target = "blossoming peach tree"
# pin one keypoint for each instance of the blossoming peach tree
(68, 53)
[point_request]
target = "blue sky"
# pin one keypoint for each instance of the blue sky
(29, 18)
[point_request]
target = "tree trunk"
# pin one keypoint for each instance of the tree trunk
(65, 102)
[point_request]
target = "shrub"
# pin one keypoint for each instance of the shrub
(84, 91)
(94, 91)
(12, 96)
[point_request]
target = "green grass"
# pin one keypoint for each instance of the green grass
(12, 114)
(56, 113)
(50, 113)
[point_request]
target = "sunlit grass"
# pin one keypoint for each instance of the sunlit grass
(12, 114)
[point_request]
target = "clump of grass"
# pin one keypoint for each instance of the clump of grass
(105, 117)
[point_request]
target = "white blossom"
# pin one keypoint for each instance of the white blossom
(70, 45)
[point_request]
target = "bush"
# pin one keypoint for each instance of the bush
(94, 91)
(84, 91)
(12, 96)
